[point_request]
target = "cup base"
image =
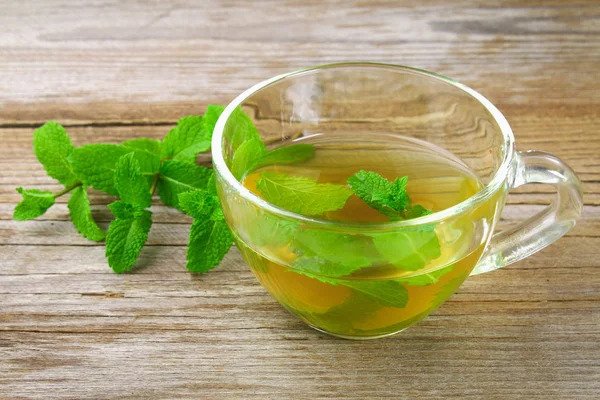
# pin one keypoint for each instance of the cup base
(357, 337)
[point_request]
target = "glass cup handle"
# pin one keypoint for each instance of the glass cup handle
(543, 228)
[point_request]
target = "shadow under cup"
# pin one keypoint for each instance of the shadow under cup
(348, 110)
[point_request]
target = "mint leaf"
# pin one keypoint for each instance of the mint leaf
(52, 148)
(187, 139)
(198, 204)
(209, 241)
(178, 177)
(417, 211)
(125, 239)
(426, 279)
(249, 151)
(240, 129)
(301, 194)
(95, 164)
(292, 154)
(332, 254)
(387, 293)
(35, 203)
(123, 210)
(130, 183)
(211, 116)
(211, 186)
(272, 231)
(81, 215)
(389, 198)
(150, 146)
(210, 237)
(252, 154)
(246, 156)
(409, 249)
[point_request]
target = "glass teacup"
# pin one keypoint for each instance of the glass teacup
(353, 111)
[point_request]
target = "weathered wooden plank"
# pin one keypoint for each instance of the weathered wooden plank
(283, 359)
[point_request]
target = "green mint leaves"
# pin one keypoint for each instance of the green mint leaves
(389, 198)
(35, 203)
(150, 146)
(250, 153)
(128, 233)
(292, 154)
(330, 253)
(210, 237)
(52, 147)
(332, 256)
(125, 239)
(133, 171)
(212, 114)
(130, 183)
(191, 136)
(241, 130)
(387, 293)
(429, 278)
(81, 215)
(246, 155)
(186, 140)
(408, 249)
(95, 164)
(178, 177)
(302, 195)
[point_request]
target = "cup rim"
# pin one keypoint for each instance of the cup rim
(478, 198)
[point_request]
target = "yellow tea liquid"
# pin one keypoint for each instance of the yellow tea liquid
(436, 180)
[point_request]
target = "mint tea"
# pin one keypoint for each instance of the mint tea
(362, 195)
(362, 281)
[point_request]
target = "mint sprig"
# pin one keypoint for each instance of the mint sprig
(133, 171)
(389, 198)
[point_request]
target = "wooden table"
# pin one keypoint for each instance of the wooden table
(110, 71)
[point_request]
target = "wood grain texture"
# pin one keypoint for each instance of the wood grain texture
(111, 71)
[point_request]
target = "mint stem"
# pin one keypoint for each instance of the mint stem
(68, 189)
(154, 183)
